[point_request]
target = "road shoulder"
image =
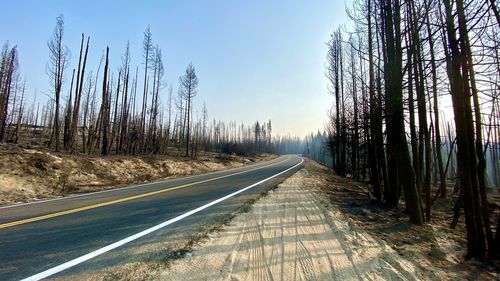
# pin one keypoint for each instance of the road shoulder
(296, 233)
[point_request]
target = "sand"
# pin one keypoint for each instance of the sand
(291, 235)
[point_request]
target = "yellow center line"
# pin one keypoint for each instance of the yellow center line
(103, 204)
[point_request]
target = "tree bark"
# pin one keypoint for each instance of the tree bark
(399, 165)
(104, 108)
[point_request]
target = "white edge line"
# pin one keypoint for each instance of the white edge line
(71, 263)
(130, 186)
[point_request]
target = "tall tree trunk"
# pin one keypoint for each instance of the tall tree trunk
(425, 145)
(481, 165)
(354, 149)
(372, 152)
(399, 165)
(457, 66)
(104, 107)
(343, 127)
(188, 115)
(437, 133)
(5, 94)
(124, 114)
(115, 132)
(19, 115)
(78, 96)
(338, 130)
(411, 109)
(67, 122)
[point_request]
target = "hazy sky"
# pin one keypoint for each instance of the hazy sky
(256, 60)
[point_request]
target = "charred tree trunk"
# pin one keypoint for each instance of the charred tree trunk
(481, 164)
(67, 122)
(466, 158)
(6, 90)
(437, 132)
(73, 137)
(399, 165)
(425, 145)
(104, 108)
(372, 151)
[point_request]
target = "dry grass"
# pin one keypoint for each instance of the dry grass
(28, 174)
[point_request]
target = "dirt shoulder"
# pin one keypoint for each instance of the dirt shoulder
(37, 173)
(433, 248)
(297, 232)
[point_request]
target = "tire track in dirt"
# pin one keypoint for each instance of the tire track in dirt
(291, 235)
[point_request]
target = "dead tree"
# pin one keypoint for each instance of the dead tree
(457, 68)
(189, 89)
(399, 165)
(159, 71)
(372, 152)
(58, 61)
(20, 113)
(169, 121)
(424, 138)
(8, 66)
(68, 114)
(73, 137)
(148, 53)
(105, 108)
(437, 132)
(334, 74)
(124, 119)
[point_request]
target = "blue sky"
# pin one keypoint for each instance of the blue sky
(256, 60)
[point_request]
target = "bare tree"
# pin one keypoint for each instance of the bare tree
(159, 71)
(125, 110)
(169, 121)
(8, 69)
(399, 164)
(105, 107)
(189, 89)
(458, 71)
(148, 49)
(67, 114)
(73, 136)
(58, 61)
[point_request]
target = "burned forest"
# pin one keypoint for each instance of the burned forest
(416, 109)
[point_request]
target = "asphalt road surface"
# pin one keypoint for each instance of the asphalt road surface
(76, 234)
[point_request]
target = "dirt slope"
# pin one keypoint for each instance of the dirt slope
(291, 235)
(37, 173)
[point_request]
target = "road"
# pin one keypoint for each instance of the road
(82, 233)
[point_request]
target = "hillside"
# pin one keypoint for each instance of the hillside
(33, 173)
